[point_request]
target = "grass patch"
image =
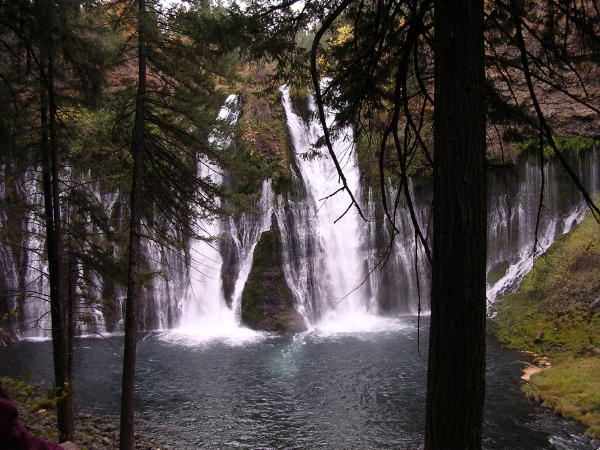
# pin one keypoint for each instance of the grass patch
(571, 388)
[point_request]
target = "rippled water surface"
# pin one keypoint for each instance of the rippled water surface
(312, 390)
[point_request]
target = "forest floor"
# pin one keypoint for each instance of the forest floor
(555, 317)
(38, 414)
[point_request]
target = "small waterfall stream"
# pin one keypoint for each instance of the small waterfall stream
(513, 200)
(402, 282)
(204, 311)
(22, 282)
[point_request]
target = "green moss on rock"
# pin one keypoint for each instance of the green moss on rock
(267, 302)
(263, 135)
(497, 271)
(299, 99)
(570, 145)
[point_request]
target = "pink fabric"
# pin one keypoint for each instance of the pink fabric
(13, 435)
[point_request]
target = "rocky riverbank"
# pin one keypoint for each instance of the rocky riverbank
(38, 414)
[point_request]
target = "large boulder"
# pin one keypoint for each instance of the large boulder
(267, 302)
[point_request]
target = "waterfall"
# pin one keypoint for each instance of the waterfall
(325, 263)
(325, 243)
(205, 312)
(403, 282)
(513, 200)
(22, 267)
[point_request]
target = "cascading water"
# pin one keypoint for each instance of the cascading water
(205, 313)
(325, 242)
(401, 280)
(325, 263)
(22, 267)
(203, 307)
(513, 201)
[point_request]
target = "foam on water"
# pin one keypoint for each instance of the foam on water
(208, 333)
(332, 325)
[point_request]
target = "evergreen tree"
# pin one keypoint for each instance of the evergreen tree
(127, 439)
(53, 46)
(175, 106)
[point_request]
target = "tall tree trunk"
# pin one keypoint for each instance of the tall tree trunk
(128, 384)
(71, 301)
(54, 244)
(456, 373)
(65, 406)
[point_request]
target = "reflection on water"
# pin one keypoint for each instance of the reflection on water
(317, 389)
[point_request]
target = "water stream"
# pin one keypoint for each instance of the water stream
(206, 314)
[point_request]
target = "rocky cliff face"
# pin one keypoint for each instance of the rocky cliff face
(267, 302)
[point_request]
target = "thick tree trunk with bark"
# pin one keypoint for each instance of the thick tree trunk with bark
(127, 438)
(456, 373)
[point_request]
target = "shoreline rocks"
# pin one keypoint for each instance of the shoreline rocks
(540, 363)
(37, 414)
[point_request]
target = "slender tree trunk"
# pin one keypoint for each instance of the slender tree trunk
(54, 233)
(65, 406)
(456, 373)
(128, 385)
(54, 244)
(71, 303)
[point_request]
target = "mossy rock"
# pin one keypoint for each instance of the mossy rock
(300, 102)
(267, 302)
(497, 271)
